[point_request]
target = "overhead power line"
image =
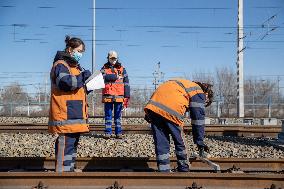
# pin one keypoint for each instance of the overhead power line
(46, 7)
(167, 8)
(7, 6)
(197, 27)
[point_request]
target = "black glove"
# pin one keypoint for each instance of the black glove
(202, 149)
(86, 74)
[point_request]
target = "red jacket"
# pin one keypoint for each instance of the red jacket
(116, 83)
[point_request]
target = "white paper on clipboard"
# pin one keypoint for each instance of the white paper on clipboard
(95, 81)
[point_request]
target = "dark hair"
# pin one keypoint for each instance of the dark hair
(207, 88)
(73, 42)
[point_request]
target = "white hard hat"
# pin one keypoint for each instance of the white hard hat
(112, 54)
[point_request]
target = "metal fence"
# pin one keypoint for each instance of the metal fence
(138, 100)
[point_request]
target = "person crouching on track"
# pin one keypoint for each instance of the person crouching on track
(165, 111)
(68, 106)
(116, 93)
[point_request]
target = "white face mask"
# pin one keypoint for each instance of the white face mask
(112, 61)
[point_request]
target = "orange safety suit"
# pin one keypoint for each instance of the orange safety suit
(172, 99)
(116, 88)
(68, 108)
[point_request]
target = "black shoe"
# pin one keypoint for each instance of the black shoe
(107, 136)
(119, 136)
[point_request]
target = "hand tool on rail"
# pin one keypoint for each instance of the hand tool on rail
(215, 166)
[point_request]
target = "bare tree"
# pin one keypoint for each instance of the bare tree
(139, 98)
(13, 95)
(259, 94)
(226, 90)
(203, 77)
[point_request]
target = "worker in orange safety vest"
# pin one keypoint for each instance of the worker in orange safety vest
(165, 111)
(116, 93)
(68, 105)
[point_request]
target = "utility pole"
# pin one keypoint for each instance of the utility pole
(45, 89)
(39, 93)
(269, 106)
(240, 60)
(28, 103)
(158, 76)
(278, 89)
(93, 51)
(93, 35)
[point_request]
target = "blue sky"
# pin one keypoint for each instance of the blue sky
(186, 36)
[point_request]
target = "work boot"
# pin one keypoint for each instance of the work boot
(203, 153)
(119, 136)
(107, 136)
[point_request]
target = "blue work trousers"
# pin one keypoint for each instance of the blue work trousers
(162, 130)
(116, 107)
(66, 151)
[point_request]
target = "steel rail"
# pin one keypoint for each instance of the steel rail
(217, 130)
(141, 164)
(118, 172)
(119, 180)
(131, 116)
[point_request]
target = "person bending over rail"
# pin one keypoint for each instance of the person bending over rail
(165, 111)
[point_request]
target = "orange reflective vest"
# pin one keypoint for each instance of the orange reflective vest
(114, 90)
(66, 103)
(172, 98)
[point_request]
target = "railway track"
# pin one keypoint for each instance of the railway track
(129, 180)
(211, 130)
(112, 173)
(139, 164)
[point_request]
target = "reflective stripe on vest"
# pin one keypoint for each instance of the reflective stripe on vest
(57, 80)
(74, 80)
(188, 90)
(113, 96)
(167, 109)
(193, 89)
(67, 122)
(197, 105)
(114, 82)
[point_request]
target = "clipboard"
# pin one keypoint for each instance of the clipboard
(95, 81)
